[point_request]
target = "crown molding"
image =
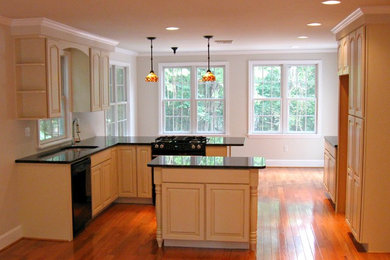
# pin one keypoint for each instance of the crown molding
(242, 52)
(125, 51)
(5, 20)
(45, 22)
(366, 10)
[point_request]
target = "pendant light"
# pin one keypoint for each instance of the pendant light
(151, 77)
(209, 76)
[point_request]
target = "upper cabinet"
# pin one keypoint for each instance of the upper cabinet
(38, 78)
(343, 56)
(90, 80)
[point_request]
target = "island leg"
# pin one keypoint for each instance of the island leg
(254, 181)
(157, 182)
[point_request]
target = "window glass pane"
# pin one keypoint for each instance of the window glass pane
(211, 89)
(121, 93)
(120, 75)
(266, 80)
(177, 83)
(210, 116)
(177, 116)
(122, 128)
(267, 115)
(302, 116)
(121, 112)
(302, 81)
(112, 93)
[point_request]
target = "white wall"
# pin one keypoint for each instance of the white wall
(301, 151)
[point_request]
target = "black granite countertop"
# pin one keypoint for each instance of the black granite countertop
(333, 140)
(174, 161)
(61, 156)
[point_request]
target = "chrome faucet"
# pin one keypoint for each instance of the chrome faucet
(75, 131)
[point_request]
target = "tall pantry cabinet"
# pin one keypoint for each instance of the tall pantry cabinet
(368, 125)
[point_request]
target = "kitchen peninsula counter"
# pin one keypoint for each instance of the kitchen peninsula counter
(207, 201)
(66, 156)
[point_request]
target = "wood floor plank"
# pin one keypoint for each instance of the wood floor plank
(295, 221)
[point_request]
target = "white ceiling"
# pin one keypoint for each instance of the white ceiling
(253, 25)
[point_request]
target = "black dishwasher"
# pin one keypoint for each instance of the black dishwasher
(81, 194)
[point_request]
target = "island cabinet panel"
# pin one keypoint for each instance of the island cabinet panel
(183, 211)
(227, 212)
(217, 151)
(127, 170)
(144, 173)
(96, 183)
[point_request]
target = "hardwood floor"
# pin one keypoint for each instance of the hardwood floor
(296, 221)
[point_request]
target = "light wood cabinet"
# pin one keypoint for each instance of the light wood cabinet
(356, 82)
(144, 173)
(217, 150)
(183, 211)
(224, 200)
(343, 56)
(330, 173)
(38, 78)
(99, 69)
(135, 177)
(103, 180)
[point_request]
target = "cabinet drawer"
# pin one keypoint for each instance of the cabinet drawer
(331, 149)
(100, 157)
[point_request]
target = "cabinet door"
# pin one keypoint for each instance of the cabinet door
(114, 174)
(343, 56)
(53, 79)
(97, 200)
(104, 79)
(217, 151)
(183, 211)
(144, 173)
(352, 75)
(349, 203)
(332, 178)
(106, 180)
(127, 171)
(94, 56)
(326, 170)
(227, 212)
(359, 71)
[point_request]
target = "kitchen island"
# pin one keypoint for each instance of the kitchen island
(205, 201)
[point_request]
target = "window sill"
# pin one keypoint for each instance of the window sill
(53, 143)
(284, 136)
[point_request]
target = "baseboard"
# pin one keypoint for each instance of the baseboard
(294, 163)
(10, 237)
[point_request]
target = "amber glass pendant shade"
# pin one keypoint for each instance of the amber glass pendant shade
(209, 76)
(151, 77)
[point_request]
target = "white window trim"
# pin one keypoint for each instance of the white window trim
(283, 133)
(68, 122)
(127, 76)
(193, 82)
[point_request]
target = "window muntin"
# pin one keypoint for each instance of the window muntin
(283, 98)
(117, 114)
(190, 105)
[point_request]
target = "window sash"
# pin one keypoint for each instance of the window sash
(193, 100)
(285, 99)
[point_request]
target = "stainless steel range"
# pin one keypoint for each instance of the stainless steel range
(179, 145)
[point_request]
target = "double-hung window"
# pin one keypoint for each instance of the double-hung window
(190, 106)
(117, 123)
(283, 97)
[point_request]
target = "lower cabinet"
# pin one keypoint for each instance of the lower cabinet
(212, 212)
(330, 171)
(135, 177)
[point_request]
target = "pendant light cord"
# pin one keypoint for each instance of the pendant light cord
(151, 54)
(208, 54)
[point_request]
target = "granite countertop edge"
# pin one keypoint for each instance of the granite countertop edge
(104, 143)
(333, 140)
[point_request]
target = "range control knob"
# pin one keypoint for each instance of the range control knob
(156, 146)
(193, 146)
(198, 146)
(161, 146)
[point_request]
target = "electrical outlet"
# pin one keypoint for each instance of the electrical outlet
(285, 148)
(27, 131)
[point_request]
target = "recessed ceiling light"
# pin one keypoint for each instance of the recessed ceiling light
(172, 28)
(294, 47)
(302, 37)
(331, 2)
(314, 24)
